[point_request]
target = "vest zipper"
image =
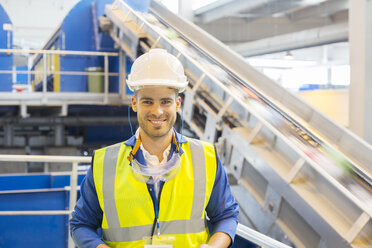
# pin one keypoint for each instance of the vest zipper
(149, 189)
(160, 190)
(156, 223)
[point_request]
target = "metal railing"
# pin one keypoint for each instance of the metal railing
(74, 160)
(47, 71)
(258, 238)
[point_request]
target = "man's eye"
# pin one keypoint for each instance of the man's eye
(147, 102)
(166, 102)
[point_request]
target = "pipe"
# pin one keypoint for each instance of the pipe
(303, 39)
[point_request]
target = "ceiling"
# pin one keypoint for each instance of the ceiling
(250, 27)
(258, 27)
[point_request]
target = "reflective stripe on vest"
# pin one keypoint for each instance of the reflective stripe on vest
(108, 161)
(108, 187)
(134, 233)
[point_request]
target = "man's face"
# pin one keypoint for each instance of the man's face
(156, 110)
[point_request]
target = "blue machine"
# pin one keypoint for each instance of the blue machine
(79, 32)
(21, 78)
(6, 42)
(34, 192)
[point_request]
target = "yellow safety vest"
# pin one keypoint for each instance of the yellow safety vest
(128, 210)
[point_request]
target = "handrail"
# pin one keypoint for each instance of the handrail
(45, 72)
(60, 52)
(37, 212)
(45, 158)
(70, 73)
(75, 160)
(258, 238)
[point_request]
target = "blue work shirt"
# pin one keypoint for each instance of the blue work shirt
(222, 209)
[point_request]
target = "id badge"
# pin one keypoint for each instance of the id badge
(159, 242)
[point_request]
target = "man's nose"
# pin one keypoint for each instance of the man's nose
(158, 109)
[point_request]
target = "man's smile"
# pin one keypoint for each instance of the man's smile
(157, 122)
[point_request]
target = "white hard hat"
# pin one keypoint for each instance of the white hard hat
(157, 67)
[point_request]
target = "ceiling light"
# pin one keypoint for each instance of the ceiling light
(288, 56)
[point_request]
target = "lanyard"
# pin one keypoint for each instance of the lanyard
(138, 144)
(156, 211)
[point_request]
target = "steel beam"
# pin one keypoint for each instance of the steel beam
(9, 133)
(297, 40)
(360, 69)
(63, 121)
(59, 135)
(225, 8)
(60, 98)
(326, 8)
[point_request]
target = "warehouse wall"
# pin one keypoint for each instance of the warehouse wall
(334, 103)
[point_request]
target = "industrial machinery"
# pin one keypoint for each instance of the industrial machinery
(6, 42)
(298, 177)
(75, 96)
(76, 34)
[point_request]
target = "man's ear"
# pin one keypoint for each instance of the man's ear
(134, 103)
(178, 102)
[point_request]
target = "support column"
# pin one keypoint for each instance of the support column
(122, 74)
(8, 135)
(185, 9)
(325, 60)
(360, 91)
(59, 135)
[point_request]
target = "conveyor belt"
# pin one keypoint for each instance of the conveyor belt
(300, 178)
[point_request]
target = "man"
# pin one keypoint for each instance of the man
(158, 187)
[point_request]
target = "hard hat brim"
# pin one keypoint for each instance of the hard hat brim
(133, 86)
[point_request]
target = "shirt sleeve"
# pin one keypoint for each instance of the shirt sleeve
(222, 209)
(87, 215)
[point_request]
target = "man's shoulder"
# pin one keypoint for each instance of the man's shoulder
(198, 142)
(113, 146)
